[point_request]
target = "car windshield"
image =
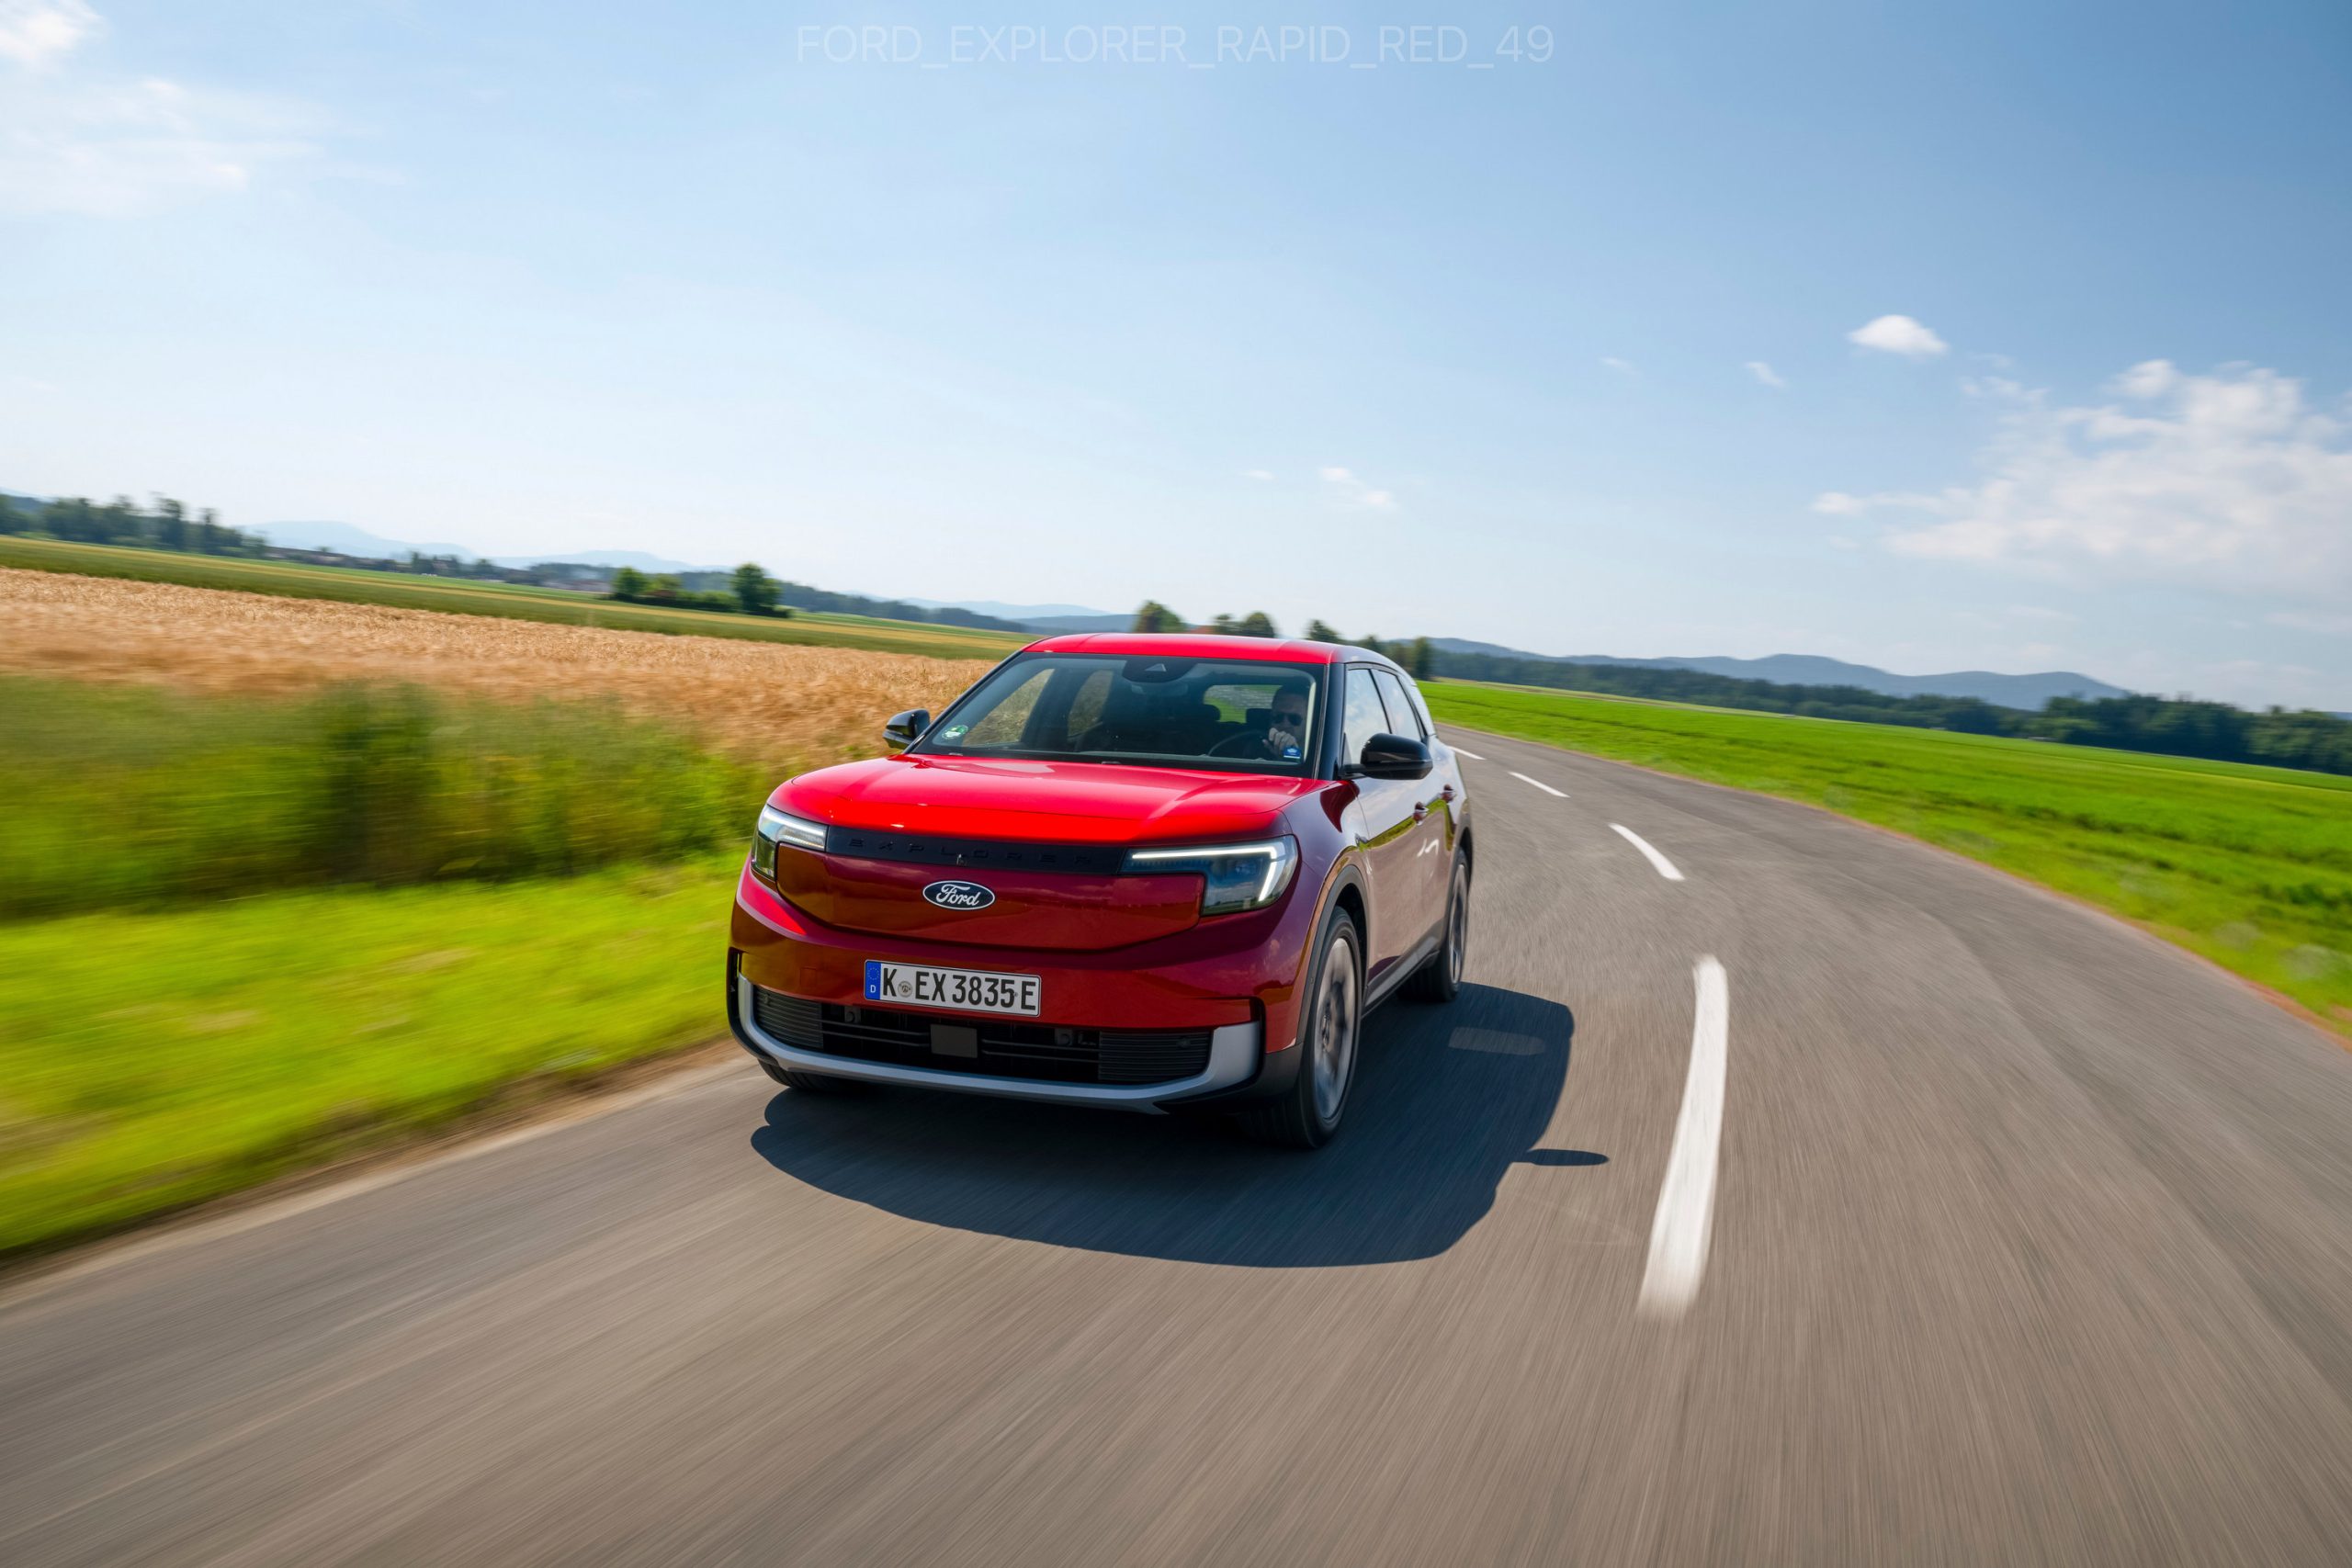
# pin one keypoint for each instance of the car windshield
(1167, 712)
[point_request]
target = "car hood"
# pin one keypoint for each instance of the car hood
(1067, 803)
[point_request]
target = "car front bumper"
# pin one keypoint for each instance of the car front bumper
(1237, 978)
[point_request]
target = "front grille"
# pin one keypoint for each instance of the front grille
(973, 854)
(1009, 1048)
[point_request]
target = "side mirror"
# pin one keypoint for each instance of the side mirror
(906, 728)
(1393, 757)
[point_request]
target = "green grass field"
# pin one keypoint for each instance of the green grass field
(2250, 866)
(153, 1057)
(509, 600)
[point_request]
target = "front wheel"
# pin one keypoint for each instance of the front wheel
(1439, 980)
(1307, 1116)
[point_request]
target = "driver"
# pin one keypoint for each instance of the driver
(1286, 725)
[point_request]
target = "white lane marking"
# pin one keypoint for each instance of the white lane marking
(1472, 755)
(1686, 1204)
(1665, 866)
(1539, 783)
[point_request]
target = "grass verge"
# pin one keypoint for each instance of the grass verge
(512, 602)
(2249, 866)
(150, 1060)
(122, 796)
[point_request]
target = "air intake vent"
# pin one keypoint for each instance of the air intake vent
(1008, 1049)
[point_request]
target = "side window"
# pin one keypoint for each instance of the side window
(1404, 721)
(1365, 717)
(1421, 707)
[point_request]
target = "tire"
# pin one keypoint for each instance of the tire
(1307, 1116)
(1439, 979)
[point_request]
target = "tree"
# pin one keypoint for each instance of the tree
(1154, 616)
(11, 520)
(1318, 631)
(1423, 662)
(628, 583)
(1257, 622)
(754, 590)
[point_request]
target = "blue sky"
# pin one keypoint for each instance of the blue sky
(2014, 336)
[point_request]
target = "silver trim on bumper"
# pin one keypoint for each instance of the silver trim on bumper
(1233, 1056)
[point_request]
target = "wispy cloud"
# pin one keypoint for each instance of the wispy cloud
(75, 139)
(2230, 480)
(1353, 491)
(1899, 334)
(1765, 374)
(38, 33)
(1260, 474)
(1623, 367)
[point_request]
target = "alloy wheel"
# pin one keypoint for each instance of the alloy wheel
(1335, 1030)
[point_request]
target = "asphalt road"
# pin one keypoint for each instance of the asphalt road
(2014, 1236)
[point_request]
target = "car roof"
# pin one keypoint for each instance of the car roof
(1207, 645)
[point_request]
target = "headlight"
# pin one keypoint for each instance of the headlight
(782, 828)
(1235, 876)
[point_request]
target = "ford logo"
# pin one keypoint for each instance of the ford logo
(959, 894)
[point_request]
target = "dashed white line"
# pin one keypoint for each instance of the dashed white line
(1686, 1204)
(1472, 755)
(1665, 866)
(1539, 783)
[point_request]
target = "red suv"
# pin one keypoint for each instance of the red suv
(1159, 872)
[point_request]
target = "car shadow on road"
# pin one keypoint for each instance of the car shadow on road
(1448, 1099)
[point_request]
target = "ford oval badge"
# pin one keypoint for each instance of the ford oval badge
(959, 894)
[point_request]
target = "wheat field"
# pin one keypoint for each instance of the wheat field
(771, 703)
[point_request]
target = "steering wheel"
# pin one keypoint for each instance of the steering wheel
(1231, 746)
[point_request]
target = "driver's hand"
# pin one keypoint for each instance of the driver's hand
(1278, 738)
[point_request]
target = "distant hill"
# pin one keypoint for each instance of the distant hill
(1028, 615)
(637, 559)
(2031, 693)
(1080, 623)
(345, 539)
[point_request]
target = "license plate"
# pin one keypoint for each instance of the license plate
(967, 990)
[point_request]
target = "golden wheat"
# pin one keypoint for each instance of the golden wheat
(775, 702)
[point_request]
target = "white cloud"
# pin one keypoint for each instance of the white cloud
(35, 33)
(1765, 374)
(1256, 473)
(1354, 492)
(1623, 367)
(84, 142)
(2227, 481)
(1899, 334)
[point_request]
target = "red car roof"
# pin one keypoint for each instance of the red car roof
(1204, 645)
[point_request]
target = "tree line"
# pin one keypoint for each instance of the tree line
(1417, 655)
(2174, 726)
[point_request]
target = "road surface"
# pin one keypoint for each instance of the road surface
(1829, 1201)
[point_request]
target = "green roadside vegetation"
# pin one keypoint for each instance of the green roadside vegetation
(509, 600)
(121, 796)
(160, 1055)
(242, 934)
(2249, 866)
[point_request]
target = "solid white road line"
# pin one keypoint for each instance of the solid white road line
(1539, 783)
(1665, 866)
(1472, 755)
(1686, 1204)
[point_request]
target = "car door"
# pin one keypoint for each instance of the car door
(1381, 820)
(1432, 835)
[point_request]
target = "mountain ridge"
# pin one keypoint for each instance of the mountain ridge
(2032, 692)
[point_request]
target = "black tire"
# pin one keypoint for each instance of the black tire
(1307, 1116)
(1439, 979)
